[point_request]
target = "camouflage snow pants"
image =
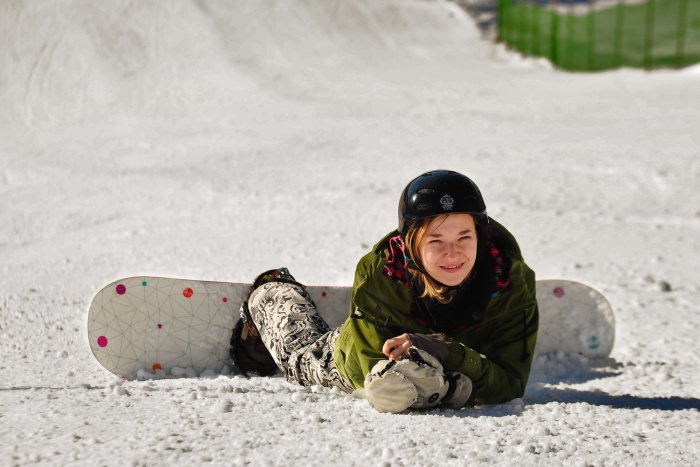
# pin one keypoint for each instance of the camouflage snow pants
(300, 341)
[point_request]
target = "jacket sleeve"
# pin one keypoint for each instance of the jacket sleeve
(500, 368)
(374, 306)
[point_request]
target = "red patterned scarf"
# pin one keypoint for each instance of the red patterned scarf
(396, 266)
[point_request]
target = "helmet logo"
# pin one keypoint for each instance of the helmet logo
(447, 202)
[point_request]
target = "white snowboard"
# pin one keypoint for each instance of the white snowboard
(141, 327)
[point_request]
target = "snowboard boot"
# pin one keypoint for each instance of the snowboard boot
(248, 351)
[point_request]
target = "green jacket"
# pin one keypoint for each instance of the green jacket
(496, 356)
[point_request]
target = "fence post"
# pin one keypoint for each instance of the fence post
(536, 17)
(619, 26)
(507, 33)
(524, 30)
(570, 36)
(554, 28)
(680, 39)
(591, 36)
(500, 21)
(648, 36)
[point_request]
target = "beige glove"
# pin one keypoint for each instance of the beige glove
(416, 382)
(388, 390)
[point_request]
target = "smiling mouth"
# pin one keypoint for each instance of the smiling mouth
(452, 268)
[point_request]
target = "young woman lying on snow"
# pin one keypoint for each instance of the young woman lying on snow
(443, 311)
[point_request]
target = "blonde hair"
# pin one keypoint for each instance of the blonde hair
(431, 288)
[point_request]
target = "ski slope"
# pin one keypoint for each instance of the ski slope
(214, 140)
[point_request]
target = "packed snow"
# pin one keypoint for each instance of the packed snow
(216, 139)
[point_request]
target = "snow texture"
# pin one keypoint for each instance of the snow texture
(215, 139)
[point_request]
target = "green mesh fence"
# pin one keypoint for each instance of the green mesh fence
(593, 35)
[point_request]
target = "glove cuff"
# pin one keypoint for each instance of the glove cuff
(458, 393)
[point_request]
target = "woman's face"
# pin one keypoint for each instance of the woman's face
(448, 248)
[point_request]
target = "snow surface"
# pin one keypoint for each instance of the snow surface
(215, 139)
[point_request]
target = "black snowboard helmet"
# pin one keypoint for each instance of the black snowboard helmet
(440, 192)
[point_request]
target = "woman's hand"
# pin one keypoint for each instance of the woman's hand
(396, 347)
